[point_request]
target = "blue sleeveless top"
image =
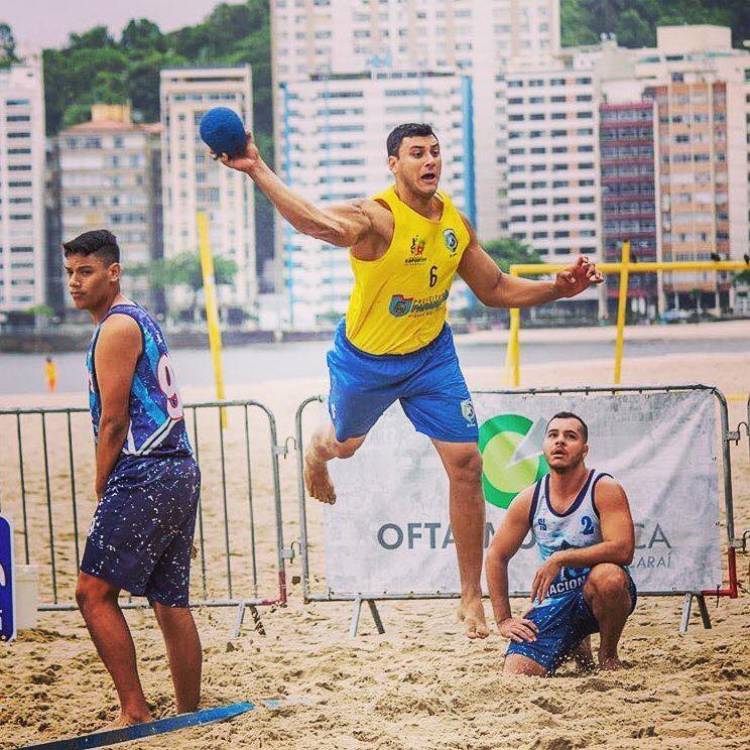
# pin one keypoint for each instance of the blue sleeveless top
(578, 527)
(157, 427)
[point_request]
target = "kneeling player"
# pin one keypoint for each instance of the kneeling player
(580, 520)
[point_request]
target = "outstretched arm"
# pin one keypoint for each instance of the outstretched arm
(349, 225)
(505, 544)
(497, 289)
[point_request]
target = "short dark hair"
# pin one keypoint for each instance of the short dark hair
(99, 242)
(570, 415)
(407, 130)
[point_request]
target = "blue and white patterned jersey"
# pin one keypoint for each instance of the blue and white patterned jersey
(578, 527)
(157, 427)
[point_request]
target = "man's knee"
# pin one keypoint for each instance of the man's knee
(169, 617)
(347, 448)
(466, 467)
(91, 590)
(518, 664)
(606, 581)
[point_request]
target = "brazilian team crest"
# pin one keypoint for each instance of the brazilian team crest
(467, 410)
(451, 241)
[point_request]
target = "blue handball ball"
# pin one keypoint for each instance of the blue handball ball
(223, 132)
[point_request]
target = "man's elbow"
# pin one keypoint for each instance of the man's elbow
(329, 231)
(496, 558)
(114, 423)
(626, 553)
(490, 298)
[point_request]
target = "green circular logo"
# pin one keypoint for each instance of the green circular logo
(504, 472)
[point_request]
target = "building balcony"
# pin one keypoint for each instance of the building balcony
(614, 125)
(615, 179)
(629, 141)
(631, 235)
(618, 160)
(609, 216)
(627, 198)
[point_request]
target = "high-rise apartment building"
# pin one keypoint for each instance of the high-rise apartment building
(334, 150)
(553, 174)
(697, 83)
(110, 178)
(473, 37)
(22, 173)
(331, 36)
(628, 193)
(192, 182)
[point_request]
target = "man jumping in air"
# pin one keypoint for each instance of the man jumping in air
(406, 245)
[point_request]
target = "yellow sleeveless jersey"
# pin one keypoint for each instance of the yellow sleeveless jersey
(398, 303)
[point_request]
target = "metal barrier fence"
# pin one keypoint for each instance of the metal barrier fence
(46, 486)
(726, 438)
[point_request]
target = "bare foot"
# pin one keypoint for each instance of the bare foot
(583, 657)
(471, 613)
(610, 663)
(318, 480)
(123, 721)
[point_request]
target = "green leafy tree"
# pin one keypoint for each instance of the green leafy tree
(632, 30)
(184, 270)
(509, 252)
(142, 36)
(7, 46)
(142, 82)
(634, 22)
(575, 26)
(97, 37)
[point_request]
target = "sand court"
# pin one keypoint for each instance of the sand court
(421, 684)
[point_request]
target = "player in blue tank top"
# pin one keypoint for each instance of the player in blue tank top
(147, 482)
(581, 523)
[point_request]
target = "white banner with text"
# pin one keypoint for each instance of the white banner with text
(389, 532)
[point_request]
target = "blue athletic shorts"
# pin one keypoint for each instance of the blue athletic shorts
(563, 623)
(428, 383)
(142, 533)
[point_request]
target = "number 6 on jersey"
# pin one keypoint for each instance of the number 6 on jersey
(433, 276)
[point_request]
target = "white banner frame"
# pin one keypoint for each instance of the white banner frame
(723, 450)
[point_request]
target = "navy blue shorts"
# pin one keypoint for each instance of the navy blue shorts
(428, 383)
(142, 532)
(563, 622)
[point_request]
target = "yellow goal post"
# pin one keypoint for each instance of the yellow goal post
(624, 268)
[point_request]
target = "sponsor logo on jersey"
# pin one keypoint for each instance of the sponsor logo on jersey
(451, 241)
(400, 306)
(467, 410)
(416, 251)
